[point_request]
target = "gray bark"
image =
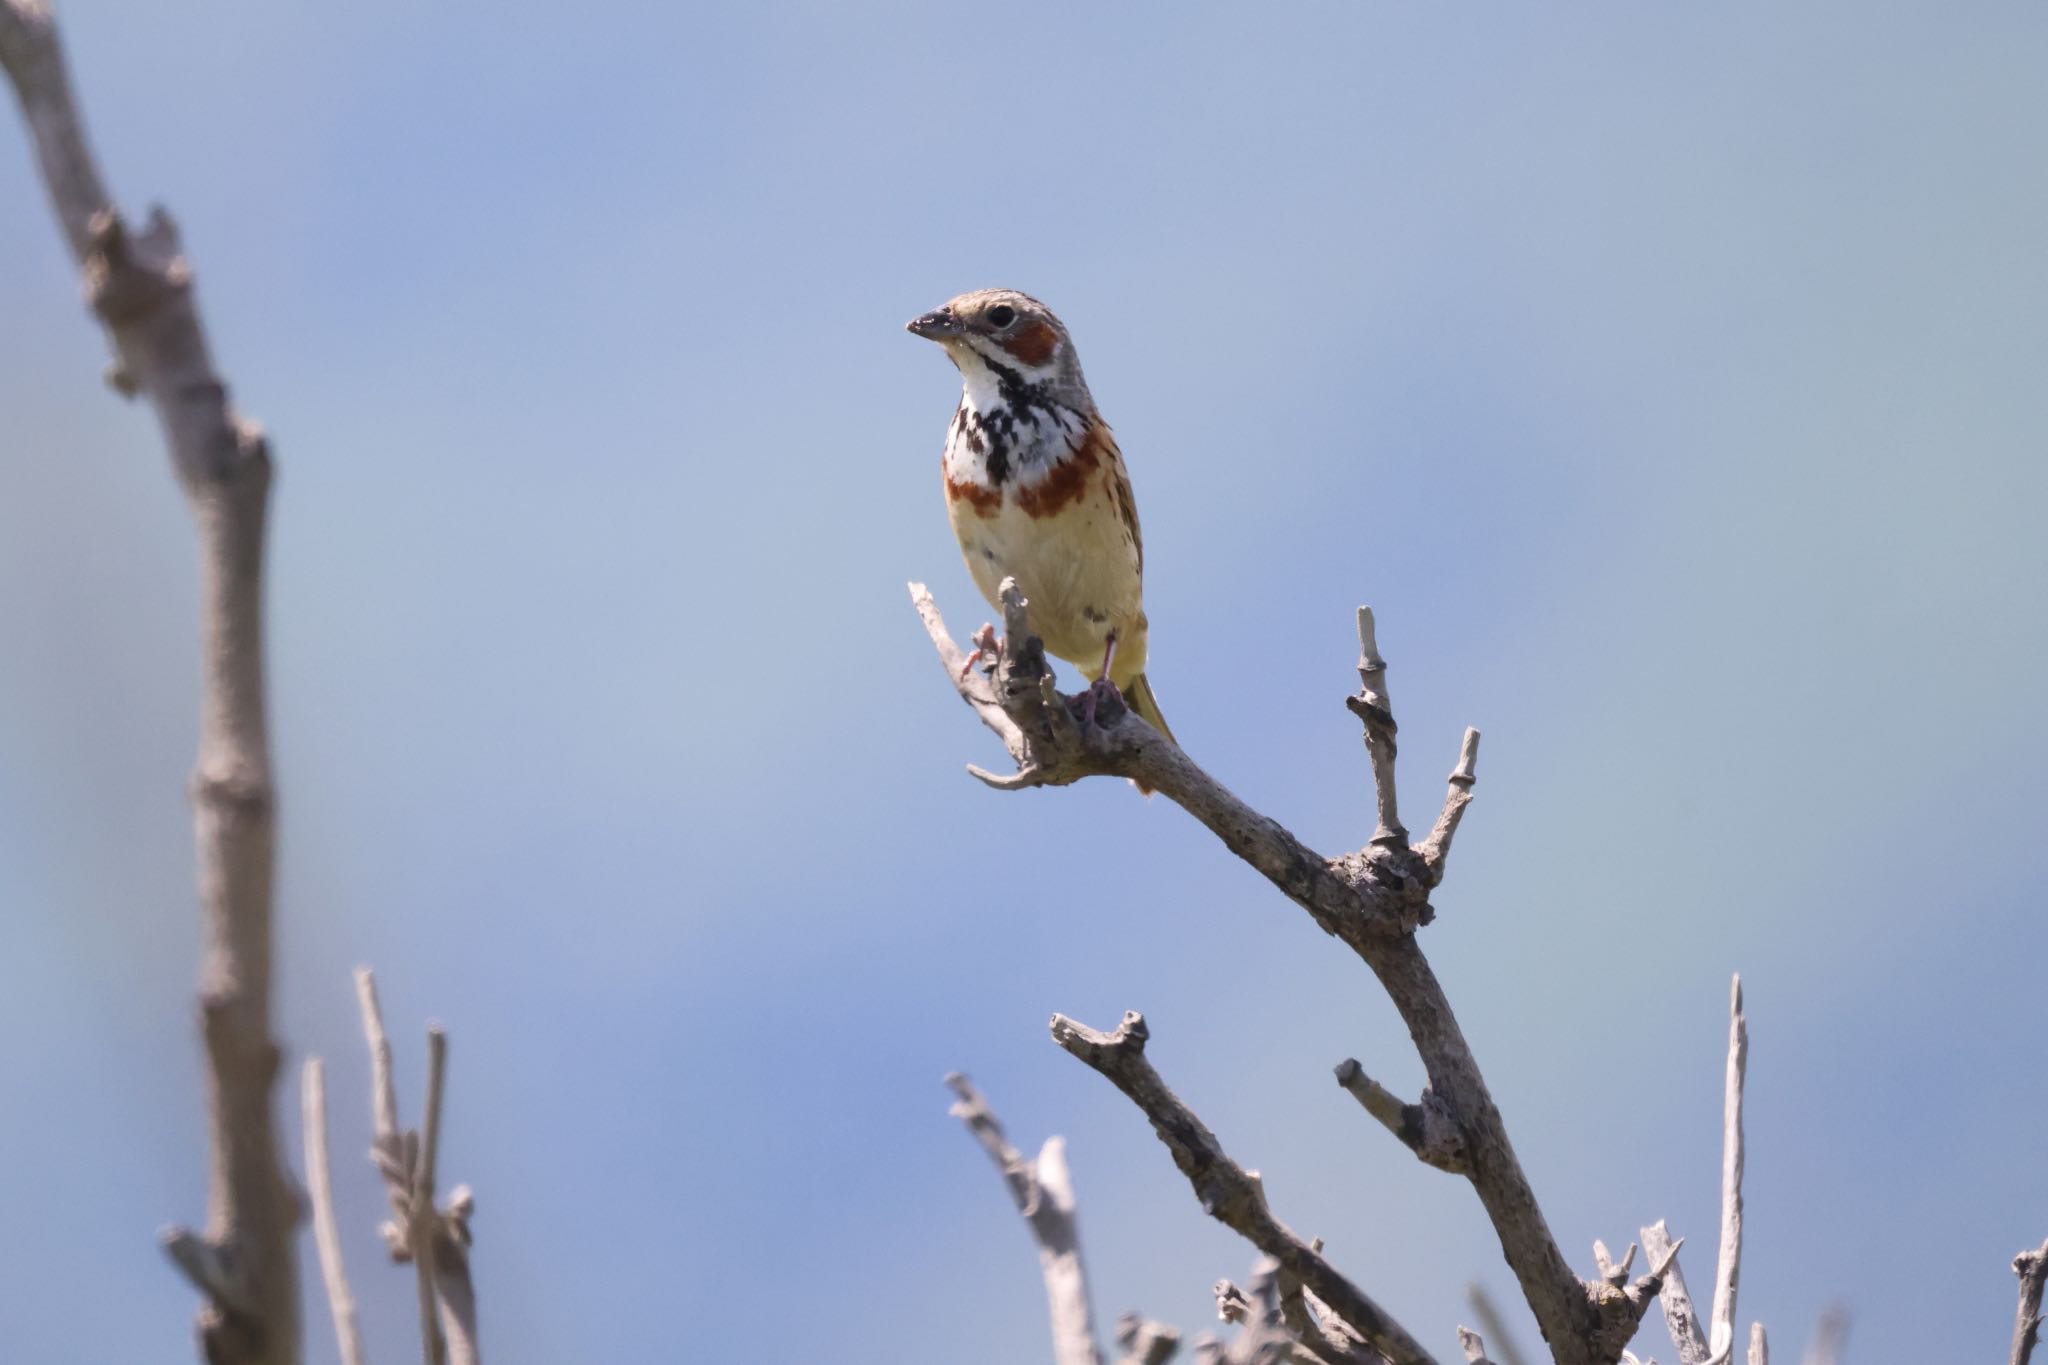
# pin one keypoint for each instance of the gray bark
(140, 286)
(1044, 1194)
(435, 1240)
(2032, 1268)
(1373, 900)
(1228, 1193)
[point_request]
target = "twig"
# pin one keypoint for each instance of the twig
(423, 1239)
(1425, 1129)
(1375, 709)
(1729, 1277)
(1145, 1342)
(1227, 1192)
(1491, 1323)
(1044, 1193)
(1474, 1347)
(140, 287)
(326, 1235)
(436, 1241)
(1679, 1315)
(2032, 1268)
(1436, 849)
(1612, 1271)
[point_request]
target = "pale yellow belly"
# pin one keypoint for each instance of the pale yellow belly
(1078, 569)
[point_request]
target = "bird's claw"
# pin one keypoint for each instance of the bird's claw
(1099, 691)
(986, 646)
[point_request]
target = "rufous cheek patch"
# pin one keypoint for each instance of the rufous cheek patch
(1033, 344)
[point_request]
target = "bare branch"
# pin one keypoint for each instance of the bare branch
(436, 1241)
(140, 287)
(1145, 1343)
(2032, 1268)
(1227, 1192)
(1282, 1322)
(1473, 1346)
(1722, 1336)
(1759, 1345)
(1613, 1272)
(431, 1340)
(1436, 849)
(1044, 1194)
(1491, 1322)
(1377, 892)
(1375, 709)
(1425, 1129)
(326, 1235)
(1679, 1314)
(1371, 899)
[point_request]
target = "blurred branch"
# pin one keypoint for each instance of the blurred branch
(1491, 1323)
(1830, 1335)
(2032, 1268)
(435, 1240)
(1145, 1342)
(139, 285)
(1280, 1322)
(326, 1234)
(1044, 1194)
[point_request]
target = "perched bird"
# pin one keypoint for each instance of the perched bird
(1037, 489)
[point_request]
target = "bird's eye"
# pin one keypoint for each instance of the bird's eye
(1002, 315)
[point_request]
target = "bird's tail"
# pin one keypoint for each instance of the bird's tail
(1139, 696)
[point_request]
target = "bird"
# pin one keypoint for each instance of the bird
(1037, 490)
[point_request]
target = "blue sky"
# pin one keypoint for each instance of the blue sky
(1669, 381)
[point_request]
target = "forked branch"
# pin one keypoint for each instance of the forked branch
(1044, 1193)
(435, 1240)
(1372, 899)
(1228, 1193)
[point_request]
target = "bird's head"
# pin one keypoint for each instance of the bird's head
(1000, 332)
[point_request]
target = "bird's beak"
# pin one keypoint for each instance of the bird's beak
(936, 325)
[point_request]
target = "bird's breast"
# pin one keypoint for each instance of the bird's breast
(1061, 531)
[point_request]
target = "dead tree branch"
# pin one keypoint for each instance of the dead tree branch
(435, 1240)
(1372, 900)
(1229, 1193)
(1424, 1128)
(1145, 1342)
(326, 1232)
(1044, 1194)
(139, 285)
(1280, 1322)
(2032, 1268)
(1722, 1337)
(1679, 1315)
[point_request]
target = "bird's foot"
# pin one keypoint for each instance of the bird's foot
(986, 646)
(1101, 691)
